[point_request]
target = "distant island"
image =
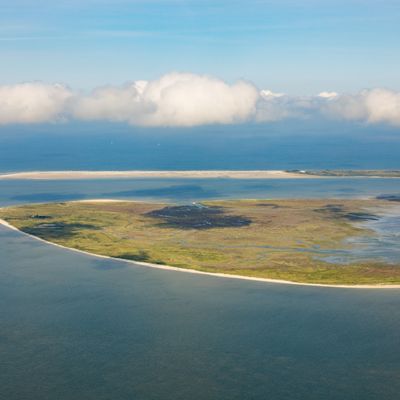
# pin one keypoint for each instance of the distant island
(200, 174)
(370, 173)
(290, 240)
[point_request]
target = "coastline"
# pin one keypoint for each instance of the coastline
(193, 271)
(65, 175)
(190, 174)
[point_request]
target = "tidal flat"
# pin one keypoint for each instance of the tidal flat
(274, 239)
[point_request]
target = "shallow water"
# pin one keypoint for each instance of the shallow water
(78, 327)
(187, 190)
(383, 244)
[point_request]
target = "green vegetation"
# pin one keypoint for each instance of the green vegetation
(270, 239)
(381, 173)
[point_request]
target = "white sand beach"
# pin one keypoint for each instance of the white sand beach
(65, 175)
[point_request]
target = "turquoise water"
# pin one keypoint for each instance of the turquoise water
(77, 327)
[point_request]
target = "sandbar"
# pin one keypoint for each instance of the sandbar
(65, 175)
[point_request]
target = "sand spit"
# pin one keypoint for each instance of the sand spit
(193, 271)
(60, 175)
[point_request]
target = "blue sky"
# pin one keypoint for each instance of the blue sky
(298, 47)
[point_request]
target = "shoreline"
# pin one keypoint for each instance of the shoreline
(212, 274)
(201, 174)
(186, 174)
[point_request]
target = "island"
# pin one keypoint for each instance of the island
(184, 174)
(290, 240)
(199, 174)
(348, 173)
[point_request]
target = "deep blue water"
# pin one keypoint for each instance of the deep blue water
(309, 145)
(77, 327)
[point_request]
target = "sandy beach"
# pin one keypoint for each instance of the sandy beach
(60, 175)
(193, 271)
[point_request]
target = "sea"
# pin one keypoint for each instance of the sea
(73, 326)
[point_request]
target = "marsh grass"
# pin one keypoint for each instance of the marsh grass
(268, 239)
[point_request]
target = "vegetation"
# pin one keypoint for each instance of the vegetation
(283, 239)
(381, 173)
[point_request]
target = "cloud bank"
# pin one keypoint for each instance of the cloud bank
(184, 99)
(372, 106)
(173, 100)
(32, 102)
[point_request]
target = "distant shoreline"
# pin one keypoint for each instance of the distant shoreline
(199, 174)
(64, 175)
(197, 272)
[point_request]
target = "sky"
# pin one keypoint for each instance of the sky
(298, 47)
(199, 62)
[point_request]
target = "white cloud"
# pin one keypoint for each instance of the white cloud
(276, 107)
(383, 106)
(370, 106)
(268, 94)
(32, 102)
(109, 103)
(184, 99)
(328, 95)
(175, 99)
(373, 106)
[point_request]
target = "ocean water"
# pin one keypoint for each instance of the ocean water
(188, 190)
(78, 327)
(309, 145)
